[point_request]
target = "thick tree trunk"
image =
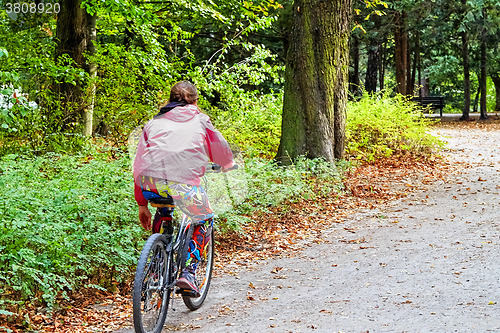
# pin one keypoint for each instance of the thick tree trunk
(483, 78)
(401, 51)
(465, 57)
(316, 72)
(372, 66)
(72, 38)
(496, 81)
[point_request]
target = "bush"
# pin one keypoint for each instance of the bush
(270, 185)
(66, 221)
(380, 126)
(252, 122)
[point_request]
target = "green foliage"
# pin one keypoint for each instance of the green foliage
(66, 221)
(129, 86)
(69, 221)
(270, 184)
(379, 125)
(250, 120)
(141, 51)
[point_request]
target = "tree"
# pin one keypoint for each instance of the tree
(72, 40)
(88, 112)
(401, 51)
(466, 66)
(483, 76)
(496, 81)
(354, 81)
(373, 65)
(315, 92)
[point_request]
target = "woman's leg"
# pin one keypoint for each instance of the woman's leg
(152, 189)
(192, 201)
(201, 236)
(162, 215)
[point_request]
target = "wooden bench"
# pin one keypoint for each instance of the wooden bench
(434, 102)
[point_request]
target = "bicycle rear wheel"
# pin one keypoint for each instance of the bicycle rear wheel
(203, 273)
(150, 295)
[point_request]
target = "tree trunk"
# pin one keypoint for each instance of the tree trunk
(316, 72)
(401, 51)
(482, 82)
(465, 57)
(88, 112)
(381, 69)
(496, 81)
(372, 66)
(409, 83)
(476, 99)
(416, 60)
(72, 39)
(354, 76)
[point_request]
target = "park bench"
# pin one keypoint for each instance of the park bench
(434, 102)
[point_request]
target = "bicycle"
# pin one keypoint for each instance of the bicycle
(160, 264)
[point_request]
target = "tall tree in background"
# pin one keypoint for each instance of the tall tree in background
(73, 39)
(315, 93)
(483, 75)
(354, 81)
(91, 68)
(401, 52)
(466, 64)
(372, 67)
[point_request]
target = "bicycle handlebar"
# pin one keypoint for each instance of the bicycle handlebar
(215, 168)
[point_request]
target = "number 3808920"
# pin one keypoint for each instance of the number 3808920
(31, 7)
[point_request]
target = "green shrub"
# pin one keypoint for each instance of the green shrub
(270, 184)
(380, 126)
(253, 122)
(69, 221)
(66, 221)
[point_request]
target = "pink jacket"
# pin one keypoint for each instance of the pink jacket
(177, 146)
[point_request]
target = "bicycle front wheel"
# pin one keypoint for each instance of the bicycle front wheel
(150, 294)
(203, 273)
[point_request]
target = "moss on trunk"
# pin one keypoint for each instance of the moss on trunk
(316, 81)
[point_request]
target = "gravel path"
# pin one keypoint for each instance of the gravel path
(426, 263)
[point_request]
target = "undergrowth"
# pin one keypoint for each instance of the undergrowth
(70, 220)
(381, 125)
(269, 184)
(67, 221)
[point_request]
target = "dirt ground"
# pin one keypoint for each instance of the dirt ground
(427, 262)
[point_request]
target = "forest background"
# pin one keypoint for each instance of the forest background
(72, 91)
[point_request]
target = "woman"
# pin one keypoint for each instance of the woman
(172, 155)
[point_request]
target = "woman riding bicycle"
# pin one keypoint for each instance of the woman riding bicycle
(172, 155)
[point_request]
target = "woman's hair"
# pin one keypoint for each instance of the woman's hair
(183, 91)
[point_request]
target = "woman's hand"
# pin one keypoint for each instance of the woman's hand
(233, 166)
(230, 166)
(145, 217)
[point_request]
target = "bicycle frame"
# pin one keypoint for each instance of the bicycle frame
(159, 288)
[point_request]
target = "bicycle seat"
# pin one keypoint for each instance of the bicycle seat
(160, 202)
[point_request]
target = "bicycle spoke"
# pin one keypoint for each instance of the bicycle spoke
(150, 294)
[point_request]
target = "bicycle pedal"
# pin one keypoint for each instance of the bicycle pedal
(186, 292)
